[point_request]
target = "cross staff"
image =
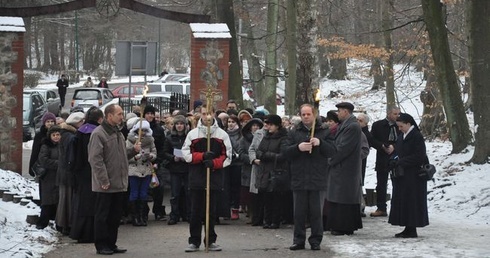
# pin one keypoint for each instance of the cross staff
(142, 105)
(316, 106)
(210, 93)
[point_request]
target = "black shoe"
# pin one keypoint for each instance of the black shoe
(160, 217)
(405, 234)
(105, 251)
(119, 250)
(266, 226)
(341, 233)
(295, 247)
(40, 226)
(274, 226)
(315, 247)
(255, 224)
(172, 222)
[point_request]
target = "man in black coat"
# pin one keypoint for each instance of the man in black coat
(62, 84)
(308, 157)
(384, 134)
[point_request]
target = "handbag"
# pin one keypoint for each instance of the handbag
(154, 180)
(280, 180)
(427, 171)
(38, 170)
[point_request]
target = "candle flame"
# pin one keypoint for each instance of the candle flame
(317, 95)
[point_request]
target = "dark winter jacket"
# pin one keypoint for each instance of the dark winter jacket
(67, 155)
(308, 171)
(36, 146)
(48, 158)
(174, 141)
(409, 200)
(381, 132)
(243, 147)
(159, 138)
(235, 137)
(270, 153)
(195, 146)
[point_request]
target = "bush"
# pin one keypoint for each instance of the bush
(31, 80)
(104, 73)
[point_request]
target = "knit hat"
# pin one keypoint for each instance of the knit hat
(331, 115)
(274, 119)
(130, 115)
(179, 119)
(48, 116)
(144, 126)
(130, 123)
(53, 129)
(75, 118)
(149, 109)
(244, 115)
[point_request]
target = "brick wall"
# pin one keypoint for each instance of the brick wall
(199, 65)
(11, 101)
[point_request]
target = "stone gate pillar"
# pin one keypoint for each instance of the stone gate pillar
(11, 88)
(210, 55)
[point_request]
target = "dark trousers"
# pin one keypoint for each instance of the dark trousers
(157, 194)
(308, 204)
(235, 177)
(179, 183)
(62, 92)
(381, 186)
(272, 208)
(139, 188)
(198, 215)
(257, 203)
(108, 211)
(48, 212)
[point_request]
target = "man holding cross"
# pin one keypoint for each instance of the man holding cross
(196, 153)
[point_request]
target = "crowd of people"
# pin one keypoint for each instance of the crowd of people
(307, 170)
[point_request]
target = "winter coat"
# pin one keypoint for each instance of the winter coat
(257, 138)
(344, 175)
(36, 146)
(308, 170)
(243, 146)
(174, 141)
(270, 153)
(102, 84)
(159, 139)
(137, 165)
(409, 200)
(67, 155)
(380, 130)
(235, 137)
(48, 158)
(195, 146)
(108, 159)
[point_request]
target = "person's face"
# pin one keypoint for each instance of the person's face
(307, 116)
(362, 121)
(207, 120)
(393, 115)
(59, 120)
(331, 123)
(49, 123)
(254, 128)
(165, 117)
(272, 128)
(231, 106)
(55, 137)
(403, 126)
(286, 122)
(266, 127)
(149, 116)
(231, 123)
(169, 124)
(157, 117)
(343, 113)
(204, 111)
(116, 117)
(180, 127)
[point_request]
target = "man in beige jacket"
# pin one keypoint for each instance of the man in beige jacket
(108, 158)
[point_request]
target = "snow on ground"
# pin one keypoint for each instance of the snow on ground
(459, 197)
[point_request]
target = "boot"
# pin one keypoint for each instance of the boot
(235, 214)
(133, 211)
(143, 212)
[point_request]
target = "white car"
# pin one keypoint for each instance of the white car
(175, 87)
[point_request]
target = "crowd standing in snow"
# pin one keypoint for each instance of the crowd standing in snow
(301, 170)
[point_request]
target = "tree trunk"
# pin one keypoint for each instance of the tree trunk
(307, 75)
(46, 39)
(28, 43)
(290, 94)
(433, 122)
(270, 71)
(479, 53)
(459, 132)
(387, 25)
(338, 69)
(235, 81)
(377, 73)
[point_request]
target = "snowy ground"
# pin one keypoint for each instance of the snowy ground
(459, 197)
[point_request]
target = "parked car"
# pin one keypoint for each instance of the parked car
(33, 110)
(176, 87)
(123, 91)
(51, 97)
(88, 97)
(169, 77)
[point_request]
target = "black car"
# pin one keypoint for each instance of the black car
(33, 110)
(51, 97)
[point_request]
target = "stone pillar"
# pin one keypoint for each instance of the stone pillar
(210, 55)
(11, 91)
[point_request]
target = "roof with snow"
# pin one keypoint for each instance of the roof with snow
(210, 30)
(12, 24)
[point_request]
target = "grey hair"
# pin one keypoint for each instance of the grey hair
(365, 117)
(391, 108)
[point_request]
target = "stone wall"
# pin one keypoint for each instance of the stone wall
(11, 88)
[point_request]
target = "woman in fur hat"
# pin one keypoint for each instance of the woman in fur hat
(48, 120)
(140, 170)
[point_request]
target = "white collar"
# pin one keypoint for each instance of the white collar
(409, 130)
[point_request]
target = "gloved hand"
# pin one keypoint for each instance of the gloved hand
(145, 156)
(208, 155)
(392, 163)
(208, 163)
